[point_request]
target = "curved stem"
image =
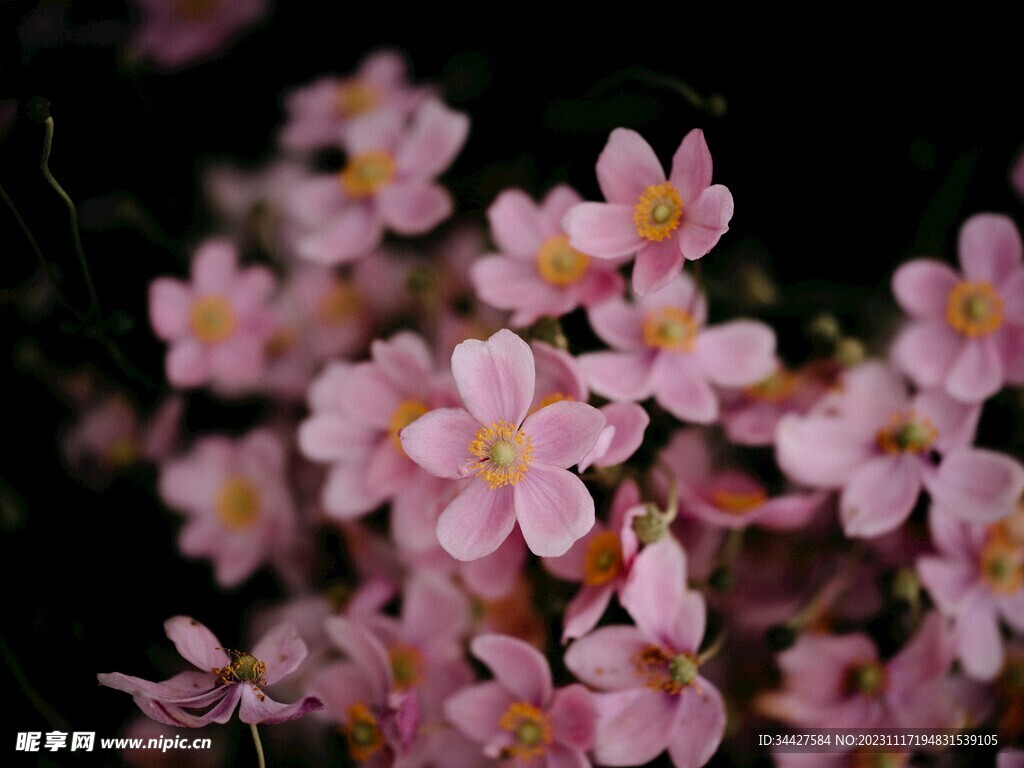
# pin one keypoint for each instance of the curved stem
(259, 746)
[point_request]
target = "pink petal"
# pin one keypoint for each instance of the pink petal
(365, 650)
(503, 282)
(627, 166)
(926, 350)
(476, 709)
(629, 421)
(252, 288)
(681, 389)
(620, 375)
(989, 247)
(634, 726)
(1012, 293)
(237, 363)
(737, 353)
(389, 470)
(379, 130)
(815, 667)
(557, 372)
(794, 510)
(870, 393)
(618, 323)
(495, 378)
(585, 610)
(439, 441)
(880, 495)
(691, 166)
(188, 364)
(947, 581)
(572, 717)
(196, 643)
(282, 650)
(169, 303)
(518, 666)
(705, 221)
(329, 437)
(681, 293)
(214, 266)
(656, 596)
(553, 509)
(656, 265)
(476, 522)
(192, 689)
(604, 658)
(341, 685)
(979, 643)
(432, 141)
(370, 396)
(515, 224)
(1012, 608)
(925, 658)
(266, 710)
(976, 485)
(496, 575)
(956, 422)
(1010, 341)
(977, 372)
(602, 230)
(349, 235)
(434, 612)
(555, 205)
(922, 287)
(345, 494)
(564, 432)
(818, 451)
(414, 207)
(700, 725)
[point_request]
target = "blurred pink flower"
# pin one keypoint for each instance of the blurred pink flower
(519, 461)
(662, 222)
(227, 678)
(661, 348)
(967, 333)
(173, 33)
(537, 272)
(217, 325)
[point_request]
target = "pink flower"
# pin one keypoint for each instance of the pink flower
(656, 697)
(967, 333)
(662, 222)
(537, 272)
(227, 678)
(388, 182)
(218, 324)
(876, 444)
(173, 33)
(520, 715)
(1017, 174)
(662, 349)
(319, 114)
(518, 461)
(240, 511)
(976, 578)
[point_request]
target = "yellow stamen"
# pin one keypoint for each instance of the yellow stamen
(365, 174)
(356, 98)
(405, 414)
(603, 559)
(774, 389)
(238, 503)
(531, 729)
(738, 502)
(212, 319)
(406, 666)
(974, 309)
(122, 452)
(339, 303)
(867, 678)
(554, 397)
(665, 671)
(907, 433)
(1002, 564)
(670, 328)
(657, 212)
(281, 343)
(501, 454)
(362, 734)
(559, 263)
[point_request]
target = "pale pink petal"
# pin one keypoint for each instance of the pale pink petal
(370, 396)
(815, 667)
(818, 451)
(193, 689)
(434, 612)
(553, 508)
(504, 283)
(365, 650)
(585, 610)
(700, 725)
(414, 207)
(627, 422)
(680, 293)
(977, 372)
(567, 757)
(496, 575)
(1010, 341)
(1012, 293)
(627, 166)
(517, 665)
(979, 643)
(705, 221)
(880, 495)
(214, 266)
(389, 470)
(253, 709)
(196, 643)
(237, 363)
(495, 378)
(869, 395)
(515, 224)
(947, 581)
(329, 437)
(1012, 608)
(989, 247)
(476, 522)
(557, 372)
(188, 364)
(554, 207)
(620, 375)
(955, 421)
(618, 323)
(432, 141)
(252, 288)
(169, 303)
(656, 596)
(691, 166)
(341, 685)
(381, 130)
(282, 650)
(345, 493)
(794, 510)
(439, 441)
(926, 350)
(656, 265)
(925, 658)
(572, 716)
(476, 709)
(922, 287)
(569, 566)
(604, 658)
(738, 353)
(976, 485)
(564, 432)
(602, 230)
(349, 235)
(681, 389)
(634, 726)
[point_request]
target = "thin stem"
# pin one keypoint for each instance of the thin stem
(259, 746)
(712, 650)
(44, 166)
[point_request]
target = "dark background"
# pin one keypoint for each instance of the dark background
(844, 160)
